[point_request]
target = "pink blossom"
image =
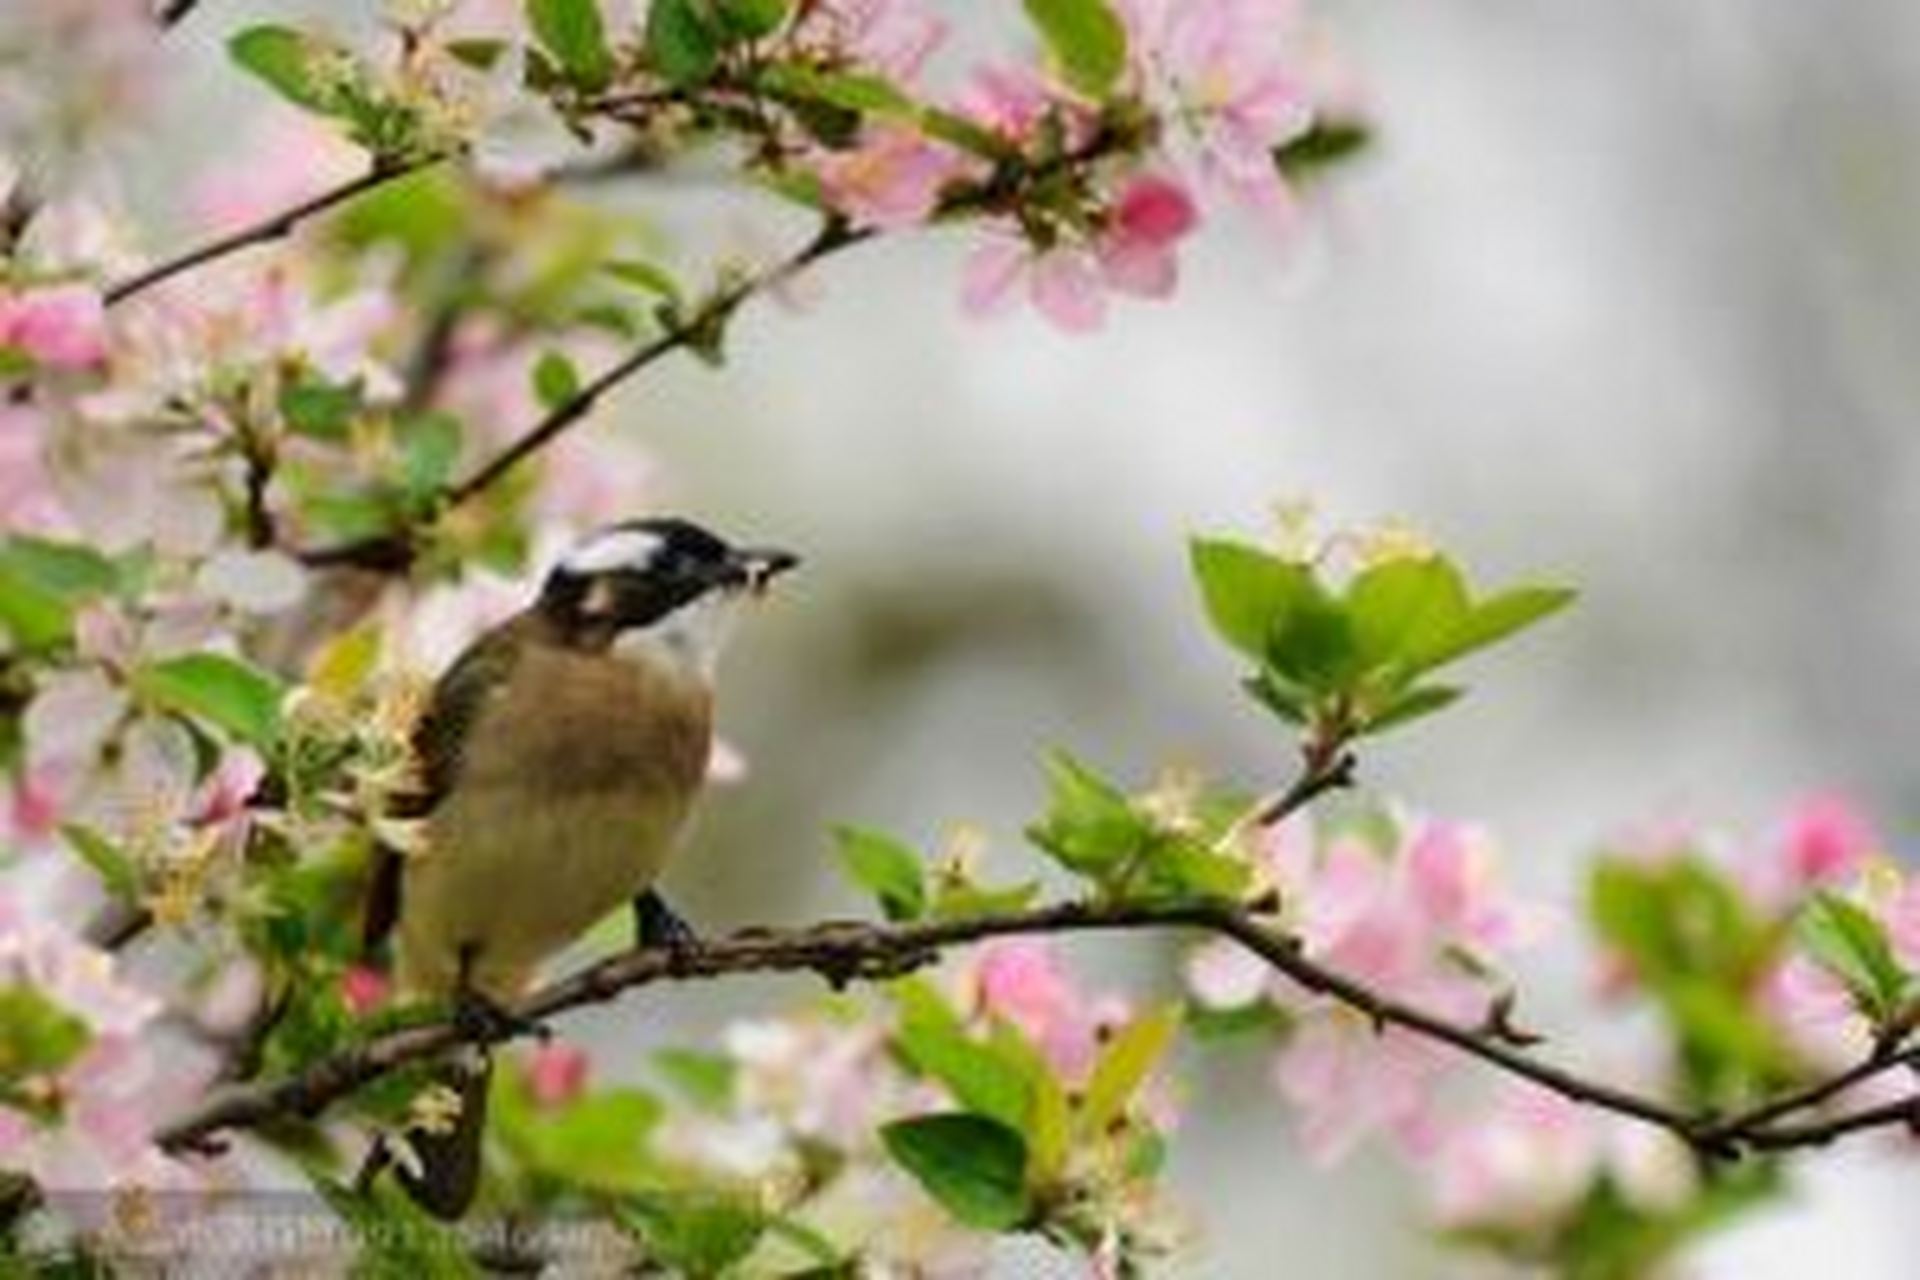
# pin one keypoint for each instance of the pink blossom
(891, 180)
(1007, 98)
(1020, 979)
(1226, 67)
(60, 326)
(1827, 840)
(556, 1073)
(1402, 920)
(1522, 1165)
(27, 491)
(892, 37)
(1067, 282)
(364, 989)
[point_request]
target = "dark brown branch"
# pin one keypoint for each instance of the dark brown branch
(843, 952)
(267, 229)
(1817, 1133)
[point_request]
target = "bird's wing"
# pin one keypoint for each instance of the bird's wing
(439, 739)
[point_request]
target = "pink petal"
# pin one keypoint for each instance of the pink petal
(1066, 290)
(991, 273)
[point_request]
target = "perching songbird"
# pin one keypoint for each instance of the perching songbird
(560, 756)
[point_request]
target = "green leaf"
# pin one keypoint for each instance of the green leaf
(1048, 1123)
(695, 1232)
(647, 276)
(1411, 704)
(1247, 592)
(975, 1167)
(1490, 621)
(109, 861)
(1091, 827)
(751, 19)
(41, 584)
(555, 380)
(429, 446)
(481, 53)
(37, 1036)
(1851, 945)
(224, 692)
(293, 64)
(885, 868)
(1400, 605)
(704, 1079)
(598, 1140)
(932, 1040)
(1124, 1065)
(960, 901)
(1086, 38)
(1321, 147)
(680, 43)
(857, 91)
(572, 32)
(323, 410)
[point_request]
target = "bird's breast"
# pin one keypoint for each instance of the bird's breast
(572, 790)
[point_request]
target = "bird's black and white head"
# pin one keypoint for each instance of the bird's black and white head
(660, 589)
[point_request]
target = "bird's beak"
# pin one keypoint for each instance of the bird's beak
(752, 568)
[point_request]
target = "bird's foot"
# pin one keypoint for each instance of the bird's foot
(655, 924)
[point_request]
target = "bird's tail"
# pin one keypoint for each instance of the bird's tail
(448, 1172)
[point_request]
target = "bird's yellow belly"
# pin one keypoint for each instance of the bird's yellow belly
(514, 882)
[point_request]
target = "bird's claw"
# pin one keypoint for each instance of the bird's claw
(655, 924)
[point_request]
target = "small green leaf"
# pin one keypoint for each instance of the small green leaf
(1399, 606)
(480, 53)
(1086, 39)
(1091, 827)
(695, 1232)
(323, 410)
(683, 47)
(1490, 621)
(1411, 704)
(1248, 592)
(555, 380)
(293, 63)
(37, 1036)
(961, 901)
(885, 868)
(751, 19)
(109, 861)
(572, 32)
(220, 691)
(42, 582)
(1321, 147)
(429, 446)
(934, 1043)
(975, 1167)
(704, 1079)
(1124, 1065)
(647, 276)
(1851, 945)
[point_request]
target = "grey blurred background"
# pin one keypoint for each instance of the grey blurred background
(1628, 293)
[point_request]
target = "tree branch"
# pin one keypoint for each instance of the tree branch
(269, 228)
(847, 951)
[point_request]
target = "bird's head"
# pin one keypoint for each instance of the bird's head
(661, 588)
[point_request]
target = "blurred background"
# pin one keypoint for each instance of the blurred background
(1625, 294)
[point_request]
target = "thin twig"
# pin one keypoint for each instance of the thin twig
(270, 228)
(702, 326)
(1763, 1115)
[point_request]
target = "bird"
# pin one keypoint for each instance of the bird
(558, 758)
